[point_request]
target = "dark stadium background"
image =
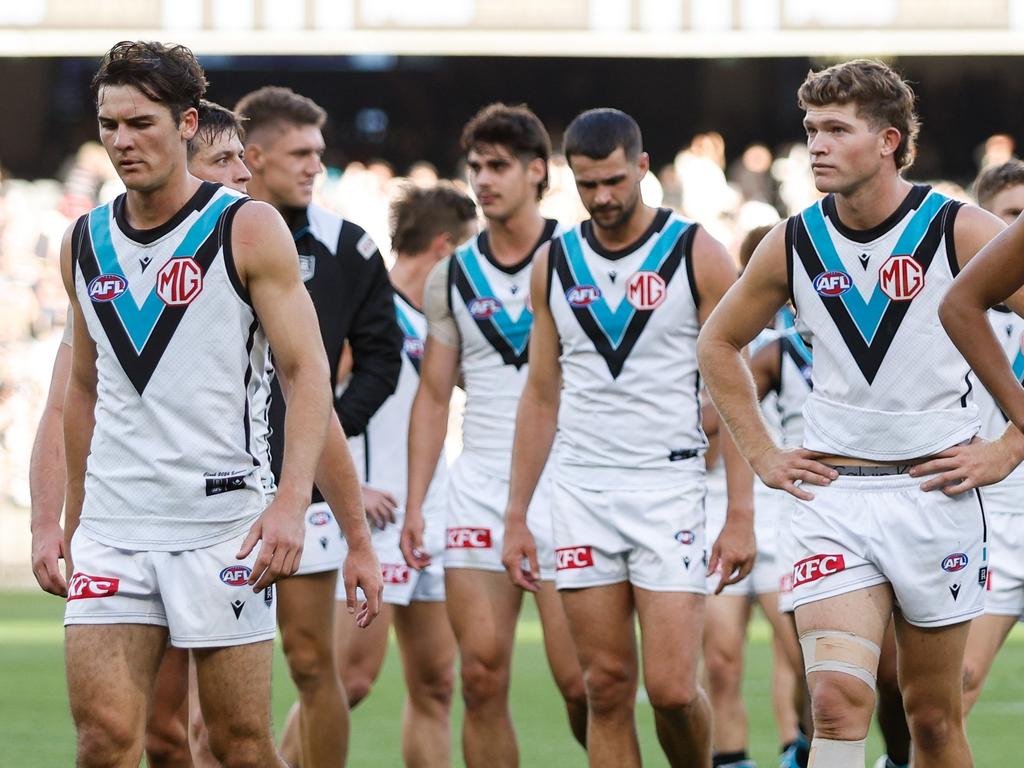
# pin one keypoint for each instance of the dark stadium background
(410, 108)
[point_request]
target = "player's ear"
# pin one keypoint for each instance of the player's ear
(536, 170)
(890, 139)
(189, 123)
(644, 163)
(254, 157)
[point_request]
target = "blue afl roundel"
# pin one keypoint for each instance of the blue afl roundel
(107, 287)
(832, 283)
(484, 307)
(582, 295)
(235, 575)
(954, 562)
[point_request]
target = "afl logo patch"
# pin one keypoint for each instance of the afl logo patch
(107, 287)
(954, 562)
(413, 347)
(830, 284)
(582, 295)
(685, 537)
(179, 281)
(235, 575)
(319, 517)
(646, 290)
(901, 278)
(484, 307)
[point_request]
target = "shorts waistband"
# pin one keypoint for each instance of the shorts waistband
(880, 470)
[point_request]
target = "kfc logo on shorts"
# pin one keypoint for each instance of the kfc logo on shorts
(319, 517)
(179, 281)
(469, 538)
(236, 575)
(395, 573)
(817, 567)
(646, 290)
(107, 288)
(484, 307)
(901, 278)
(573, 557)
(954, 562)
(582, 295)
(685, 537)
(82, 586)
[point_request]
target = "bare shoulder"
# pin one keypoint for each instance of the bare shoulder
(973, 228)
(540, 256)
(254, 221)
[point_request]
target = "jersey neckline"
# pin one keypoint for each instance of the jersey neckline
(912, 201)
(587, 229)
(483, 244)
(197, 202)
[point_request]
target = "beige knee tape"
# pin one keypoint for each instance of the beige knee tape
(828, 753)
(829, 651)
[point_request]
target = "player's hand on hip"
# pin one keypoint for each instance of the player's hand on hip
(380, 507)
(519, 556)
(47, 550)
(783, 469)
(411, 540)
(362, 570)
(733, 552)
(280, 532)
(966, 466)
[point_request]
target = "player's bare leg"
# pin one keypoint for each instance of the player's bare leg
(601, 622)
(167, 725)
(725, 638)
(987, 635)
(842, 702)
(198, 736)
(671, 628)
(360, 652)
(111, 670)
(483, 608)
(234, 693)
(787, 682)
(428, 649)
(565, 665)
(892, 720)
(930, 672)
(305, 613)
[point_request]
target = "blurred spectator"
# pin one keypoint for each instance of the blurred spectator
(997, 149)
(751, 175)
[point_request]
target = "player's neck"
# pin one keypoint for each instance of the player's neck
(409, 276)
(150, 209)
(514, 238)
(872, 202)
(629, 232)
(258, 191)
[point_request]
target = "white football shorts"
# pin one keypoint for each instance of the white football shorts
(323, 549)
(764, 578)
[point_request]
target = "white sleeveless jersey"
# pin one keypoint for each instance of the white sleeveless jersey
(888, 383)
(381, 452)
(174, 462)
(490, 305)
(1009, 329)
(628, 327)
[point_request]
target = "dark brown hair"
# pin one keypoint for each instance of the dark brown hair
(516, 128)
(597, 133)
(995, 179)
(168, 74)
(273, 106)
(419, 214)
(883, 98)
(215, 121)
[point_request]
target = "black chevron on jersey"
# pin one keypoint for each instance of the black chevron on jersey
(615, 357)
(868, 357)
(458, 278)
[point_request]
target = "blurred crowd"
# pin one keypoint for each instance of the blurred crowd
(757, 188)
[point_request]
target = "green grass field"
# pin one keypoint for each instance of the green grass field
(35, 727)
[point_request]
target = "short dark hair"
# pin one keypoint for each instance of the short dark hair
(995, 179)
(274, 106)
(597, 133)
(883, 98)
(168, 74)
(214, 121)
(419, 214)
(515, 127)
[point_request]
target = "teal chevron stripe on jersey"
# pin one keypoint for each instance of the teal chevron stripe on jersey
(139, 321)
(613, 323)
(867, 315)
(403, 322)
(516, 332)
(1018, 365)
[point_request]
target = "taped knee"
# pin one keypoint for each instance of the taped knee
(829, 651)
(829, 753)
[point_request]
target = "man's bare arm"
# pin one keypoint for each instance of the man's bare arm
(47, 477)
(746, 309)
(265, 256)
(535, 429)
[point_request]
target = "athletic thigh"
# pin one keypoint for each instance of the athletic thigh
(558, 643)
(234, 691)
(930, 664)
(483, 608)
(601, 622)
(305, 611)
(359, 651)
(168, 712)
(671, 630)
(427, 645)
(110, 672)
(725, 626)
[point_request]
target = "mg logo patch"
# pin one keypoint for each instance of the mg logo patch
(646, 290)
(901, 278)
(179, 281)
